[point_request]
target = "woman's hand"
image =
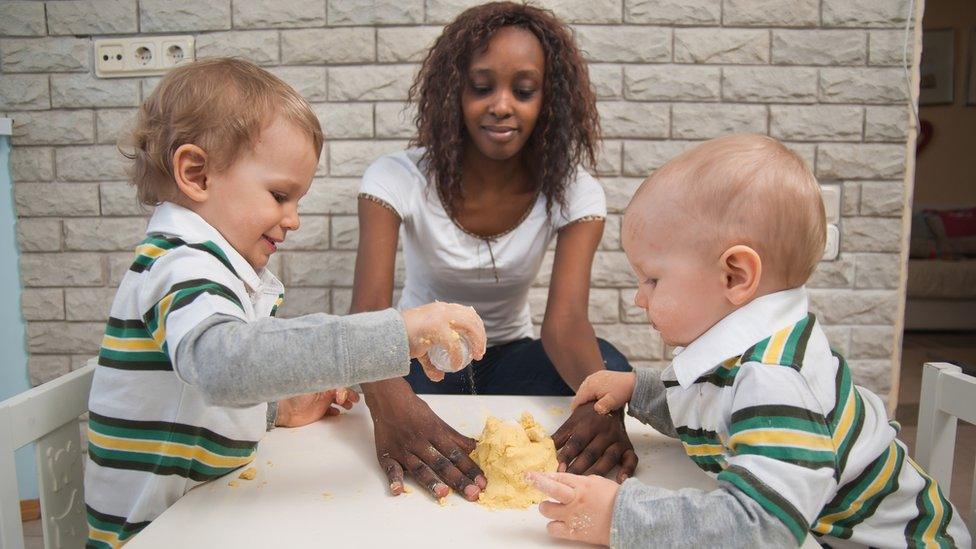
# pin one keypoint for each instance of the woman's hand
(410, 437)
(304, 409)
(591, 443)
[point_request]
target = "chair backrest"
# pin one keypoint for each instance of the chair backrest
(947, 394)
(47, 415)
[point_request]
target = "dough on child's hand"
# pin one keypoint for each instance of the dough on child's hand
(505, 452)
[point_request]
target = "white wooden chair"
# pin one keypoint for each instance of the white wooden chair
(47, 415)
(947, 395)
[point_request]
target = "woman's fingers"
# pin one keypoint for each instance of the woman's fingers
(467, 466)
(424, 475)
(627, 465)
(445, 468)
(394, 473)
(610, 458)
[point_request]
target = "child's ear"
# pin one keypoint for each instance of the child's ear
(742, 269)
(190, 169)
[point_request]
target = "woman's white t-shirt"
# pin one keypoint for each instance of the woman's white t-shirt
(446, 263)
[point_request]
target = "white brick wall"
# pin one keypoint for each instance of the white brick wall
(822, 75)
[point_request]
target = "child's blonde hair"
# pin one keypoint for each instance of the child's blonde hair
(753, 190)
(218, 104)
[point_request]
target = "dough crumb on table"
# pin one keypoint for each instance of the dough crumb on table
(505, 452)
(249, 473)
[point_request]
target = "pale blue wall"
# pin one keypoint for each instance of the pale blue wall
(13, 365)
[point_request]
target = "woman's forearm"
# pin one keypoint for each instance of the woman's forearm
(573, 350)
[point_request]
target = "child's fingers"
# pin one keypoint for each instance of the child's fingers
(583, 395)
(332, 411)
(352, 397)
(340, 395)
(606, 404)
(569, 479)
(432, 372)
(551, 487)
(394, 473)
(552, 510)
(558, 529)
(469, 324)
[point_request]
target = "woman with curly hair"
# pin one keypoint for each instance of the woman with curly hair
(505, 117)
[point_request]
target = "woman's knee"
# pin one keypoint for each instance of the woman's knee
(613, 359)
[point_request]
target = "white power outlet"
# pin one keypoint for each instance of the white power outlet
(141, 55)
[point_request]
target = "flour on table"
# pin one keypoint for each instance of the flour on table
(505, 452)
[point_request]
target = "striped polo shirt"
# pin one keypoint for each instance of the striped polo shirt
(152, 436)
(778, 418)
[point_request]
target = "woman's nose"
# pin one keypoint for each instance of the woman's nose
(501, 106)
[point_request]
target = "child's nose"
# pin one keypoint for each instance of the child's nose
(640, 299)
(291, 221)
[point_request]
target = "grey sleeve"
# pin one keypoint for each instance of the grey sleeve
(238, 363)
(649, 516)
(649, 404)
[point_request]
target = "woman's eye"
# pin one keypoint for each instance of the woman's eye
(279, 198)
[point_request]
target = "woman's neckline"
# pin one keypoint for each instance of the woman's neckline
(525, 215)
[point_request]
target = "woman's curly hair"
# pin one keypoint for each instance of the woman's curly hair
(567, 130)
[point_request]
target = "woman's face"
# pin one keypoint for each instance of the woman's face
(502, 94)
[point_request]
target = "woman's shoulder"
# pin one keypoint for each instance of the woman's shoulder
(398, 164)
(584, 197)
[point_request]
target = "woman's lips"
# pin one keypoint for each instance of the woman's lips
(499, 134)
(271, 244)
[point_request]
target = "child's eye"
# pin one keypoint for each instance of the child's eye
(652, 282)
(480, 90)
(279, 198)
(524, 94)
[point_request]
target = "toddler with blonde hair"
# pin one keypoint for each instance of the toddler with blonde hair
(722, 239)
(192, 353)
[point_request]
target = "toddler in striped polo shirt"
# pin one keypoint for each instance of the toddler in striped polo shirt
(722, 239)
(192, 351)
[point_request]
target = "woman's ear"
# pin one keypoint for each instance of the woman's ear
(742, 269)
(190, 169)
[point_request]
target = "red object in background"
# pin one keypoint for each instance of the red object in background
(957, 223)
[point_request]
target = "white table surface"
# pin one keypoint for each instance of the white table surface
(320, 486)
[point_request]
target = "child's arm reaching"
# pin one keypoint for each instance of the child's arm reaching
(643, 389)
(596, 510)
(304, 409)
(238, 363)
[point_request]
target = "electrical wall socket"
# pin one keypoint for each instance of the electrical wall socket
(141, 55)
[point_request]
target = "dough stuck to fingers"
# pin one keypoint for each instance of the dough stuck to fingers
(505, 452)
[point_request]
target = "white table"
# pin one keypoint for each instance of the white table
(320, 486)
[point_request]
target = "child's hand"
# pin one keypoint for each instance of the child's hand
(443, 324)
(583, 506)
(304, 409)
(610, 390)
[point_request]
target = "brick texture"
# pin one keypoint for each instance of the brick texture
(822, 75)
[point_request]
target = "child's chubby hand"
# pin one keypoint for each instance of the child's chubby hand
(443, 324)
(308, 408)
(581, 508)
(610, 390)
